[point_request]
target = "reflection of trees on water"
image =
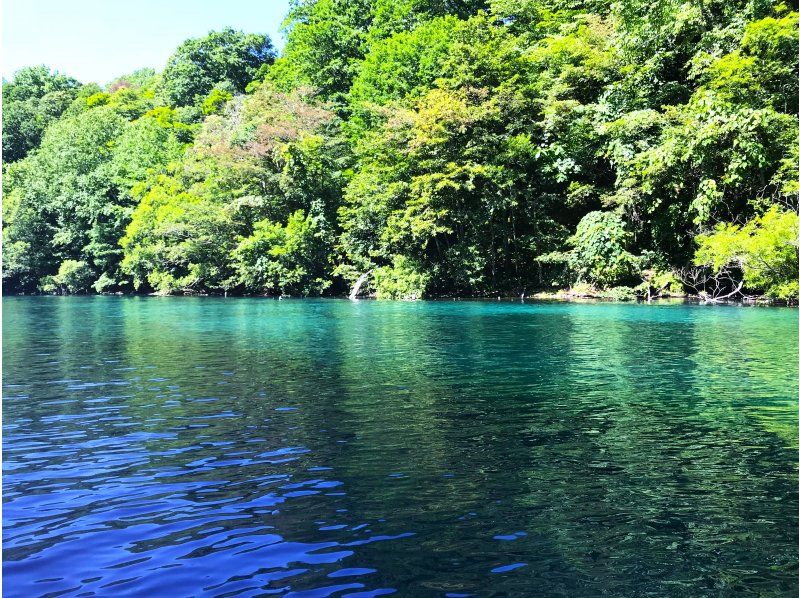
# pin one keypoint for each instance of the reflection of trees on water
(185, 394)
(671, 471)
(625, 441)
(748, 360)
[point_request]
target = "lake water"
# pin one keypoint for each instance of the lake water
(241, 447)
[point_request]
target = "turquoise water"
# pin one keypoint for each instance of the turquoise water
(241, 447)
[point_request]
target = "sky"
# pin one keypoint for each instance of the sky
(99, 40)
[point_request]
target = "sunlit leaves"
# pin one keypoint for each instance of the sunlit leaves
(222, 57)
(465, 147)
(32, 100)
(293, 259)
(764, 249)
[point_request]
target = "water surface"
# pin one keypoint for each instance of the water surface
(243, 447)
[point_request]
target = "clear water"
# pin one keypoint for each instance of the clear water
(240, 447)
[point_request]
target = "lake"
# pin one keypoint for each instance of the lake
(241, 447)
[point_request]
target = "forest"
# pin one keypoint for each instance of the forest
(468, 148)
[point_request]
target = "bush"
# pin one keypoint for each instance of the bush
(620, 294)
(658, 282)
(104, 283)
(291, 259)
(598, 255)
(599, 252)
(404, 279)
(73, 277)
(215, 101)
(764, 250)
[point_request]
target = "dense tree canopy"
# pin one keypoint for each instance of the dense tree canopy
(228, 58)
(35, 98)
(443, 147)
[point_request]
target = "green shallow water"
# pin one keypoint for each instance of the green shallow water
(203, 446)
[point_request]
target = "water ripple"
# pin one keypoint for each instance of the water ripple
(165, 447)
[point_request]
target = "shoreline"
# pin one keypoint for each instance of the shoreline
(563, 296)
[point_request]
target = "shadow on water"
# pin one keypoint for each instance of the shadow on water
(177, 446)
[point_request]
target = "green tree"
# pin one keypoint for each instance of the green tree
(328, 39)
(293, 259)
(598, 253)
(71, 199)
(178, 241)
(444, 146)
(34, 98)
(226, 56)
(72, 277)
(57, 195)
(402, 66)
(251, 168)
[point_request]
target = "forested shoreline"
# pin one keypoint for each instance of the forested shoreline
(444, 148)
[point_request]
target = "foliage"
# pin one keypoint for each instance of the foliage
(657, 282)
(403, 279)
(72, 277)
(325, 43)
(145, 78)
(599, 254)
(765, 250)
(72, 199)
(32, 100)
(329, 39)
(177, 240)
(215, 101)
(226, 56)
(621, 293)
(213, 222)
(290, 260)
(447, 147)
(57, 199)
(400, 67)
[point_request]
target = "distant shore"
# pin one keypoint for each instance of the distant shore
(565, 295)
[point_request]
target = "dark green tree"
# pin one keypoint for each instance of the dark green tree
(34, 98)
(226, 56)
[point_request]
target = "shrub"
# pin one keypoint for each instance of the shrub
(764, 250)
(404, 279)
(599, 253)
(73, 277)
(291, 259)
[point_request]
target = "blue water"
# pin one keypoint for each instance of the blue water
(249, 447)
